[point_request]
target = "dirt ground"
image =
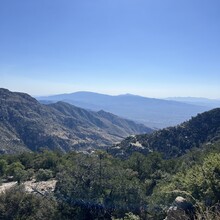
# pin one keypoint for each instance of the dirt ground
(42, 187)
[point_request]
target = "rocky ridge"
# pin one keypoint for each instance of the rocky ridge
(27, 125)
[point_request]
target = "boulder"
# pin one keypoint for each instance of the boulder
(180, 210)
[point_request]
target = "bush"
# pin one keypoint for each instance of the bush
(44, 175)
(16, 204)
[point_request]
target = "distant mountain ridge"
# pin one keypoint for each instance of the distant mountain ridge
(174, 141)
(155, 113)
(213, 103)
(25, 124)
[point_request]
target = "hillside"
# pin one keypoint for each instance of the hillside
(99, 186)
(174, 141)
(25, 124)
(155, 113)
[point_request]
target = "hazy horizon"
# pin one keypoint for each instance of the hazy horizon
(154, 49)
(119, 94)
(106, 93)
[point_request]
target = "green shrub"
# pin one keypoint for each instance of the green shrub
(44, 175)
(16, 204)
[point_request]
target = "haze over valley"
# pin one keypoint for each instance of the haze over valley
(154, 113)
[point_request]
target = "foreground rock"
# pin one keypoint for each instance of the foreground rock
(181, 210)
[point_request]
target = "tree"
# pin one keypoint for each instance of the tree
(3, 167)
(98, 186)
(44, 175)
(16, 170)
(17, 204)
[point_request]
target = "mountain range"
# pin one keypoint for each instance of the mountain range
(154, 113)
(26, 124)
(212, 103)
(146, 181)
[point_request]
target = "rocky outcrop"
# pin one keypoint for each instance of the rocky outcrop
(40, 187)
(180, 210)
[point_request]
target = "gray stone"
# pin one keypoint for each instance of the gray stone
(181, 210)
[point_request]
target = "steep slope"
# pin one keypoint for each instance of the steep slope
(25, 124)
(156, 113)
(175, 141)
(112, 124)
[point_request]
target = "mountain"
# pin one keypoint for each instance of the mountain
(155, 113)
(25, 124)
(174, 141)
(213, 103)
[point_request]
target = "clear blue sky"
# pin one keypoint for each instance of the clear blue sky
(154, 48)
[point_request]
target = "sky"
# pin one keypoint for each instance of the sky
(153, 48)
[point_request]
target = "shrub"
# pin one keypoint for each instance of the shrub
(44, 175)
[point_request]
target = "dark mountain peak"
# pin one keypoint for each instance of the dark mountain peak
(105, 113)
(211, 117)
(4, 91)
(62, 104)
(6, 95)
(101, 112)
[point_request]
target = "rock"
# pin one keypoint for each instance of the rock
(181, 210)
